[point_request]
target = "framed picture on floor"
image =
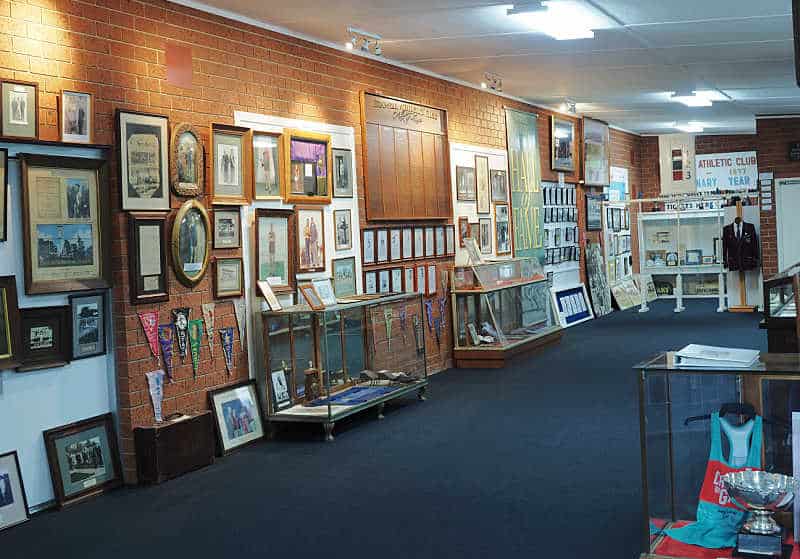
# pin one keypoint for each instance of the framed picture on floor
(231, 148)
(267, 166)
(84, 459)
(187, 165)
(46, 338)
(76, 117)
(143, 168)
(88, 318)
(13, 501)
(237, 415)
(20, 110)
(310, 239)
(275, 246)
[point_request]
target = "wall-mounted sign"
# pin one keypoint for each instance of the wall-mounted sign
(676, 156)
(402, 114)
(727, 171)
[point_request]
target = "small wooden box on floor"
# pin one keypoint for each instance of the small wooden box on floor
(173, 448)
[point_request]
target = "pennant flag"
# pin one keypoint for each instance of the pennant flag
(429, 313)
(195, 337)
(226, 335)
(241, 319)
(208, 318)
(155, 384)
(165, 335)
(149, 320)
(180, 318)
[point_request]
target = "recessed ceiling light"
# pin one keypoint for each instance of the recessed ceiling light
(699, 98)
(563, 20)
(691, 127)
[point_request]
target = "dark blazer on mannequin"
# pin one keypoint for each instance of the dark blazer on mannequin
(740, 254)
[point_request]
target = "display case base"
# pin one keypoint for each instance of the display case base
(742, 308)
(499, 357)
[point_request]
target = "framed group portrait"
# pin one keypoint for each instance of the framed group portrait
(13, 500)
(76, 117)
(267, 166)
(88, 320)
(237, 416)
(191, 243)
(10, 332)
(66, 224)
(230, 164)
(308, 160)
(19, 110)
(275, 249)
(466, 187)
(344, 276)
(187, 161)
(147, 257)
(143, 168)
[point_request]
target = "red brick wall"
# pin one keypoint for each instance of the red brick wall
(115, 49)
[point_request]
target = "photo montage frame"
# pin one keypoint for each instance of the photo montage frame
(143, 160)
(187, 161)
(147, 254)
(238, 420)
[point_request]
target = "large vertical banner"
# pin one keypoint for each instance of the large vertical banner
(525, 180)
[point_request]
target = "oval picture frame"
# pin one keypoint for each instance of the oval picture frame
(190, 277)
(177, 160)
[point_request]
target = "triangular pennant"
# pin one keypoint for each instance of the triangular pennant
(226, 335)
(165, 336)
(195, 337)
(149, 320)
(180, 319)
(155, 385)
(241, 319)
(208, 318)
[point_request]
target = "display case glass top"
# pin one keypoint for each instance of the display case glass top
(780, 294)
(490, 276)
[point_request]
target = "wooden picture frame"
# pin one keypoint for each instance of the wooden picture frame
(71, 129)
(85, 217)
(485, 233)
(224, 266)
(143, 187)
(499, 181)
(381, 240)
(147, 257)
(395, 244)
(227, 440)
(266, 187)
(291, 182)
(466, 184)
(88, 329)
(311, 297)
(313, 259)
(223, 186)
(368, 252)
(343, 271)
(342, 229)
(419, 242)
(10, 325)
(463, 229)
(370, 282)
(187, 165)
(502, 229)
(191, 210)
(14, 129)
(343, 173)
(430, 242)
(483, 186)
(596, 152)
(46, 338)
(3, 194)
(9, 464)
(268, 246)
(82, 485)
(450, 240)
(269, 296)
(227, 228)
(563, 153)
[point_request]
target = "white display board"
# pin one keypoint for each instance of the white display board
(727, 171)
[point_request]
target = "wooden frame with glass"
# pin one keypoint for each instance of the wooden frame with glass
(228, 277)
(187, 160)
(342, 229)
(275, 249)
(227, 228)
(88, 319)
(310, 239)
(147, 257)
(191, 243)
(76, 117)
(143, 160)
(563, 152)
(307, 167)
(344, 276)
(46, 338)
(19, 110)
(267, 165)
(502, 229)
(10, 331)
(14, 501)
(231, 177)
(343, 173)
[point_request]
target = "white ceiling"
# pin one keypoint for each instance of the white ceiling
(742, 48)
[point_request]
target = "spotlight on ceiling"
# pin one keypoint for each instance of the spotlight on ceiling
(561, 19)
(364, 41)
(492, 81)
(691, 127)
(697, 98)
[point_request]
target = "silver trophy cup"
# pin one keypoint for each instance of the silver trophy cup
(761, 493)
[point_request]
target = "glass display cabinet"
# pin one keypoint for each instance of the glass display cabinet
(780, 311)
(324, 365)
(676, 425)
(500, 309)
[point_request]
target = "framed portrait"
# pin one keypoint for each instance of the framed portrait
(279, 390)
(88, 319)
(485, 228)
(368, 246)
(430, 242)
(10, 332)
(311, 297)
(596, 152)
(76, 117)
(227, 228)
(344, 276)
(397, 280)
(342, 173)
(267, 166)
(499, 185)
(450, 239)
(431, 277)
(562, 144)
(237, 415)
(421, 283)
(502, 233)
(594, 212)
(230, 164)
(693, 257)
(409, 279)
(408, 243)
(13, 501)
(143, 169)
(463, 229)
(275, 246)
(187, 165)
(310, 239)
(395, 245)
(466, 187)
(384, 285)
(308, 160)
(228, 277)
(66, 224)
(324, 290)
(147, 256)
(46, 338)
(441, 249)
(419, 242)
(20, 110)
(343, 229)
(383, 245)
(191, 243)
(370, 283)
(482, 183)
(83, 458)
(268, 295)
(3, 194)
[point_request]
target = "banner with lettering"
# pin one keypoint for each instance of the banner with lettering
(727, 171)
(525, 181)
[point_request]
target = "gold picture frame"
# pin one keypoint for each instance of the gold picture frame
(295, 172)
(197, 269)
(183, 162)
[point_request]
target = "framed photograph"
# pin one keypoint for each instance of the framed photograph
(311, 297)
(409, 279)
(46, 338)
(187, 165)
(308, 160)
(485, 227)
(66, 224)
(310, 239)
(13, 501)
(84, 459)
(76, 117)
(419, 242)
(441, 249)
(672, 259)
(368, 246)
(499, 185)
(482, 184)
(384, 285)
(147, 256)
(421, 283)
(430, 244)
(466, 187)
(708, 260)
(191, 243)
(3, 194)
(562, 142)
(325, 291)
(342, 173)
(228, 277)
(279, 390)
(268, 295)
(275, 246)
(230, 165)
(237, 415)
(502, 233)
(596, 152)
(450, 239)
(594, 212)
(463, 229)
(88, 321)
(20, 110)
(395, 245)
(343, 229)
(431, 277)
(397, 280)
(694, 257)
(344, 276)
(267, 166)
(227, 228)
(408, 243)
(383, 245)
(10, 332)
(143, 168)
(370, 283)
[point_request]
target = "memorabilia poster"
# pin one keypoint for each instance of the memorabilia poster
(395, 244)
(229, 277)
(88, 325)
(311, 239)
(308, 158)
(343, 229)
(383, 245)
(676, 154)
(342, 173)
(408, 243)
(191, 239)
(562, 142)
(596, 142)
(20, 108)
(275, 248)
(77, 117)
(266, 166)
(368, 246)
(466, 185)
(187, 161)
(618, 189)
(482, 184)
(502, 233)
(237, 415)
(344, 277)
(499, 185)
(13, 501)
(227, 228)
(143, 161)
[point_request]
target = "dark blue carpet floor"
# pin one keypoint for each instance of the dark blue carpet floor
(540, 459)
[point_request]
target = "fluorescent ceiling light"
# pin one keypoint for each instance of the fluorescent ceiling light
(699, 98)
(561, 19)
(691, 127)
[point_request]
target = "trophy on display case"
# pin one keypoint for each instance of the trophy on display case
(762, 494)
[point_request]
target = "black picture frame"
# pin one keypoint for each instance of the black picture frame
(58, 353)
(76, 326)
(4, 525)
(213, 396)
(9, 315)
(147, 288)
(594, 212)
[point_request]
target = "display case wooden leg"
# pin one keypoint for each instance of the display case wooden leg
(421, 393)
(381, 406)
(328, 431)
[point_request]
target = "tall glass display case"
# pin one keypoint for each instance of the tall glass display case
(324, 365)
(675, 407)
(500, 309)
(781, 294)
